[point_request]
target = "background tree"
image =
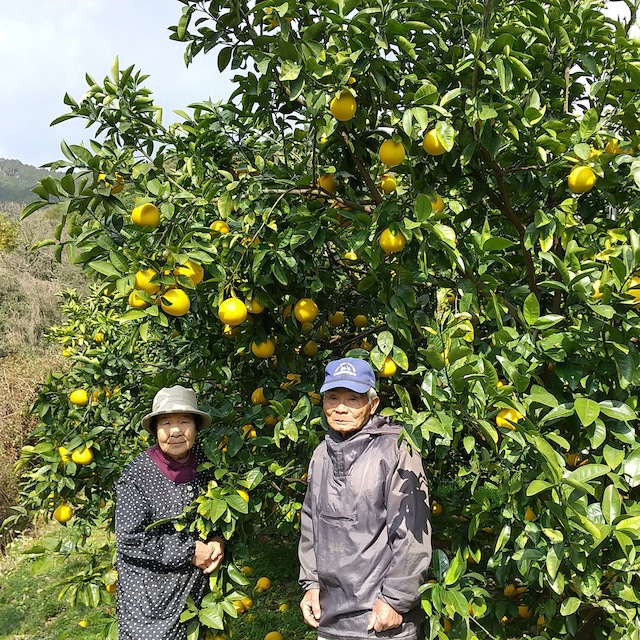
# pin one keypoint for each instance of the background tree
(446, 188)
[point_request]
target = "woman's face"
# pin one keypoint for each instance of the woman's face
(176, 434)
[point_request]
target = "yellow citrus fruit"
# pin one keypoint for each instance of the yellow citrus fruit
(612, 147)
(581, 179)
(524, 611)
(246, 570)
(310, 348)
(82, 456)
(271, 420)
(315, 397)
(83, 623)
(431, 143)
(263, 349)
(191, 270)
(263, 584)
(79, 397)
(530, 515)
(143, 282)
(509, 590)
(258, 397)
(328, 182)
(64, 454)
(243, 494)
(63, 513)
(388, 368)
(66, 352)
(361, 321)
(232, 311)
(239, 606)
(99, 337)
(391, 152)
(249, 431)
(230, 332)
(175, 302)
(437, 205)
(115, 188)
(146, 215)
(111, 588)
(343, 108)
(136, 301)
(351, 255)
(388, 183)
(273, 635)
(436, 508)
(446, 625)
(305, 310)
(505, 417)
(634, 289)
(540, 621)
(283, 607)
(392, 242)
(255, 307)
(247, 602)
(336, 319)
(219, 226)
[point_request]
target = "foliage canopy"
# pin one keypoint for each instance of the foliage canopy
(520, 294)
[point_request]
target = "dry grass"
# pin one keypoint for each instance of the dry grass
(29, 282)
(19, 379)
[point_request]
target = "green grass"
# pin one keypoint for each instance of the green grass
(275, 558)
(30, 608)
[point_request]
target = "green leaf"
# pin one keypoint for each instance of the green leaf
(611, 503)
(617, 410)
(537, 486)
(588, 472)
(588, 410)
(554, 558)
(456, 569)
(570, 606)
(212, 616)
(105, 268)
(290, 71)
(589, 124)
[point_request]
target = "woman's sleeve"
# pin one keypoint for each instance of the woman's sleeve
(161, 546)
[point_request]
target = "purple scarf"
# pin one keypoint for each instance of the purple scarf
(178, 472)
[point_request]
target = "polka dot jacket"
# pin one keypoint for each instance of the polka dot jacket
(155, 573)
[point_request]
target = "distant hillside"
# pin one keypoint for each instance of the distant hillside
(17, 180)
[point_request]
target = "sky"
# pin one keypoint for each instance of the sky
(47, 47)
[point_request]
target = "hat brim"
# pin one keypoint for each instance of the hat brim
(358, 387)
(204, 422)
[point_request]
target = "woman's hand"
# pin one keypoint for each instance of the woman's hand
(208, 556)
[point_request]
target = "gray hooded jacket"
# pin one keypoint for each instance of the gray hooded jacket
(365, 531)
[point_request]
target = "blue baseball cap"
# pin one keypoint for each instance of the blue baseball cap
(349, 373)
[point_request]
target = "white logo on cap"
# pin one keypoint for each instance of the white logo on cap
(345, 368)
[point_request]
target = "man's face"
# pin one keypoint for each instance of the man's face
(347, 411)
(176, 434)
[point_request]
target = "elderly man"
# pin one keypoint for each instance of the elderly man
(365, 542)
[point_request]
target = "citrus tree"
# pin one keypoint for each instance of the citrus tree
(448, 189)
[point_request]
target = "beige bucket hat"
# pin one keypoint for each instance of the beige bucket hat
(175, 400)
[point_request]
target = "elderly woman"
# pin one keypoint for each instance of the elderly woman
(159, 567)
